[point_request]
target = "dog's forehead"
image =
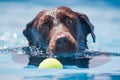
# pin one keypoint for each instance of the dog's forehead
(51, 12)
(55, 12)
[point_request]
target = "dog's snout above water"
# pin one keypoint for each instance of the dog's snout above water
(62, 42)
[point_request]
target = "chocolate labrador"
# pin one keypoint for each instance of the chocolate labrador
(59, 30)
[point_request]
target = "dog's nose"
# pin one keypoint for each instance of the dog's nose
(62, 42)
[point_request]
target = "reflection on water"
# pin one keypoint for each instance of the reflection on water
(15, 16)
(58, 74)
(79, 76)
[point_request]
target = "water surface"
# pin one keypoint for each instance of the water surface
(105, 17)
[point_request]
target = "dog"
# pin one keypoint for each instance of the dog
(59, 30)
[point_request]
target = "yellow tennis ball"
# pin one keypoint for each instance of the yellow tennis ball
(50, 63)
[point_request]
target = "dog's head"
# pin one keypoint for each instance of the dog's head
(59, 30)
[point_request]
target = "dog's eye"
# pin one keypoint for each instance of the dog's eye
(68, 21)
(44, 26)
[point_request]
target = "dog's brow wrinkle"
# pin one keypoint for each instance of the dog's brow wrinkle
(52, 13)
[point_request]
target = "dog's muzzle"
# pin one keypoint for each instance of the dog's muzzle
(61, 43)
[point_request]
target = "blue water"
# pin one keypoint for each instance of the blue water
(103, 14)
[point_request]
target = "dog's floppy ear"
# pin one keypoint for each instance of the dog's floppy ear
(88, 27)
(32, 34)
(26, 30)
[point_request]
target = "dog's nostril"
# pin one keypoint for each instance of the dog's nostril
(62, 41)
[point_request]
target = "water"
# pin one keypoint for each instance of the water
(105, 17)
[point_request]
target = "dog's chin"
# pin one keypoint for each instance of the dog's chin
(65, 50)
(59, 52)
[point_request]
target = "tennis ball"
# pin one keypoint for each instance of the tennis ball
(50, 63)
